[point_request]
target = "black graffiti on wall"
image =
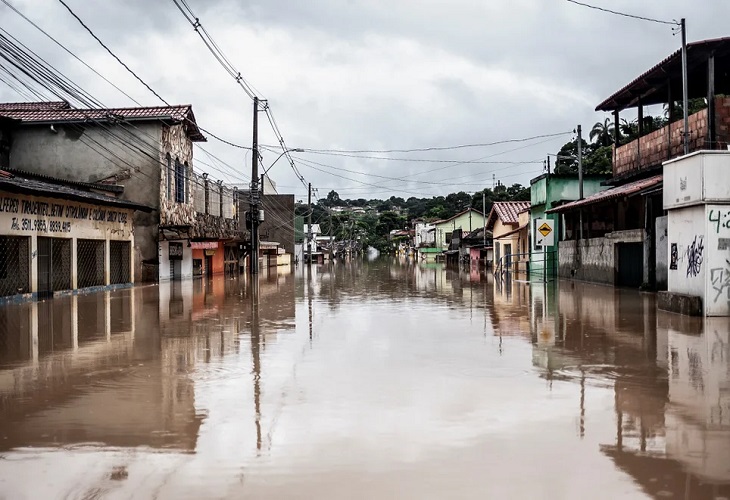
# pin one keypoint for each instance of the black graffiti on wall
(694, 256)
(674, 257)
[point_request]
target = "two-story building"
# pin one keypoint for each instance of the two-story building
(622, 239)
(549, 191)
(148, 152)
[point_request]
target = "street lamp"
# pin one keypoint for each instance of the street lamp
(295, 150)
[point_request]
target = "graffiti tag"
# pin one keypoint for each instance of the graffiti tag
(720, 281)
(694, 257)
(720, 218)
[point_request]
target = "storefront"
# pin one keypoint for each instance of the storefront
(56, 237)
(208, 258)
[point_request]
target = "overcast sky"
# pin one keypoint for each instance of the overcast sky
(372, 75)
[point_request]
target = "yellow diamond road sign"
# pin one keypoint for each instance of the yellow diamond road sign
(544, 233)
(545, 229)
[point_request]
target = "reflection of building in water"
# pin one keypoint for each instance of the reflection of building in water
(698, 417)
(693, 459)
(87, 369)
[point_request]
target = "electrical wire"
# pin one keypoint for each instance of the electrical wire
(632, 16)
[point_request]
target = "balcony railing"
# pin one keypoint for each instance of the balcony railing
(652, 149)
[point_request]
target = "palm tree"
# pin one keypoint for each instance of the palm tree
(602, 133)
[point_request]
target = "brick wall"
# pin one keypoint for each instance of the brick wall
(654, 146)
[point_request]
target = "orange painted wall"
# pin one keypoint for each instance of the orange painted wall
(218, 259)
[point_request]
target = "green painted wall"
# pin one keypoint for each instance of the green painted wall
(467, 222)
(546, 193)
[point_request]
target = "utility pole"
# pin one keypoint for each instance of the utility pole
(309, 227)
(685, 98)
(548, 166)
(484, 218)
(580, 177)
(254, 269)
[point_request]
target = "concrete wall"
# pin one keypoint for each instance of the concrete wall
(595, 259)
(662, 253)
(186, 264)
(687, 241)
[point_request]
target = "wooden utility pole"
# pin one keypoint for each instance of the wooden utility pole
(685, 90)
(309, 226)
(580, 177)
(254, 205)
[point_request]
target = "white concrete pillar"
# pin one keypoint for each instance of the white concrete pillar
(131, 258)
(107, 267)
(74, 264)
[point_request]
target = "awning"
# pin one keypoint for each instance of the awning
(629, 189)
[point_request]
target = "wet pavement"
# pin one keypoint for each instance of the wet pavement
(362, 380)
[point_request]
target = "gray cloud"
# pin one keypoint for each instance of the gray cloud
(375, 74)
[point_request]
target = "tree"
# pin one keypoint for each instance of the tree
(333, 199)
(602, 133)
(596, 158)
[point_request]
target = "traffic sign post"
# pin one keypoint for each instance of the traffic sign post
(545, 237)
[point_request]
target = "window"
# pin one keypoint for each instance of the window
(168, 176)
(179, 182)
(187, 187)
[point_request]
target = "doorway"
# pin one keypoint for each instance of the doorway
(630, 265)
(508, 256)
(208, 266)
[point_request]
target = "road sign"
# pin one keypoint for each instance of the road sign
(545, 232)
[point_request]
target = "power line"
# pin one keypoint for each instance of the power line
(436, 148)
(632, 16)
(7, 3)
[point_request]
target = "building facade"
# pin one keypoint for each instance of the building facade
(549, 191)
(59, 237)
(467, 221)
(508, 221)
(148, 151)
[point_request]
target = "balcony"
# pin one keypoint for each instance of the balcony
(650, 150)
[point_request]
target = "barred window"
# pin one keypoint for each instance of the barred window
(168, 176)
(179, 181)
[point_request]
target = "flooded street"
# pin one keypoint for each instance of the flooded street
(362, 380)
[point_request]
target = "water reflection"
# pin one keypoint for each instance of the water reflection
(358, 379)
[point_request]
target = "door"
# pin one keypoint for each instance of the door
(630, 265)
(209, 266)
(45, 271)
(508, 256)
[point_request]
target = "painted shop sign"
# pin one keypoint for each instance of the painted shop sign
(175, 251)
(24, 214)
(204, 245)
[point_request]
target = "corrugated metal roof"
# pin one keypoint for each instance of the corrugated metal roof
(59, 112)
(617, 192)
(18, 184)
(646, 86)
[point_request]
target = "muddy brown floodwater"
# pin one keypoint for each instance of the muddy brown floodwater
(362, 380)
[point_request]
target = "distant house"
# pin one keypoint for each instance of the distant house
(509, 223)
(424, 234)
(467, 221)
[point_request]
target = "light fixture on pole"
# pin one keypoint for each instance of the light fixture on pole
(294, 150)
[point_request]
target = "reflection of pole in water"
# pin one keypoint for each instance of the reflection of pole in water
(309, 300)
(582, 402)
(256, 356)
